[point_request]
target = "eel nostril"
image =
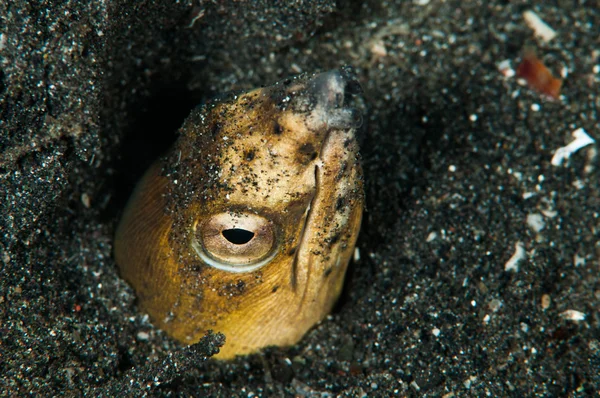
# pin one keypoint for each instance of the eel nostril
(328, 88)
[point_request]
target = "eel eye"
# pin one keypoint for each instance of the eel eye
(235, 242)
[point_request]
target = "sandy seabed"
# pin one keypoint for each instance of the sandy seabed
(479, 270)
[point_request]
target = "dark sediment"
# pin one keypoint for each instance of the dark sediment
(457, 159)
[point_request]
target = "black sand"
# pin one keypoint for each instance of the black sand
(457, 159)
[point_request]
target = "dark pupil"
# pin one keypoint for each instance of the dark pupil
(238, 236)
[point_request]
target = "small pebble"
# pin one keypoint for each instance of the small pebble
(545, 301)
(535, 221)
(86, 200)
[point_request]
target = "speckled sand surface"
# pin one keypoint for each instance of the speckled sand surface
(479, 269)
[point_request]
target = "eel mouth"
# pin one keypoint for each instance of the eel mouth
(334, 115)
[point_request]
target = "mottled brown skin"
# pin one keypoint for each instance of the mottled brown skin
(287, 154)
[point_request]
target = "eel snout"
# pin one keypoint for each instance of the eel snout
(333, 93)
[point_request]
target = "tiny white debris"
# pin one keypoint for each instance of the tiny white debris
(513, 263)
(527, 195)
(452, 168)
(436, 332)
(540, 28)
(535, 221)
(486, 318)
(564, 72)
(506, 69)
(225, 138)
(469, 382)
(85, 199)
(582, 139)
(495, 305)
(143, 336)
(356, 254)
(378, 48)
(421, 2)
(199, 14)
(596, 69)
(573, 315)
(473, 117)
(578, 260)
(592, 154)
(549, 213)
(415, 385)
(431, 237)
(535, 107)
(295, 68)
(473, 303)
(578, 184)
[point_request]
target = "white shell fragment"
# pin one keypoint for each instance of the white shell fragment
(535, 221)
(513, 263)
(86, 200)
(540, 28)
(573, 315)
(356, 255)
(431, 237)
(506, 69)
(582, 139)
